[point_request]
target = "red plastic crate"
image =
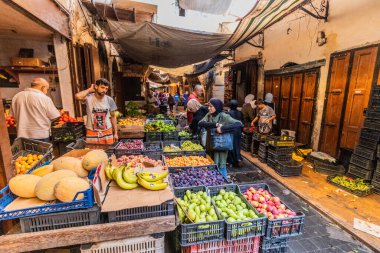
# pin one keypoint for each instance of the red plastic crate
(247, 245)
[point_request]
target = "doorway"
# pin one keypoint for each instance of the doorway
(244, 80)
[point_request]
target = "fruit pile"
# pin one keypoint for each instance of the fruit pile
(159, 126)
(127, 179)
(190, 146)
(232, 208)
(10, 121)
(184, 134)
(153, 147)
(66, 118)
(268, 204)
(132, 121)
(350, 183)
(131, 144)
(187, 161)
(137, 161)
(197, 206)
(160, 116)
(24, 163)
(172, 148)
(197, 177)
(248, 130)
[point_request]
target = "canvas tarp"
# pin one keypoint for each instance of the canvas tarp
(218, 7)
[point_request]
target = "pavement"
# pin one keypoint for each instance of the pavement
(320, 234)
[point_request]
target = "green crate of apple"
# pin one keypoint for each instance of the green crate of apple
(240, 216)
(357, 184)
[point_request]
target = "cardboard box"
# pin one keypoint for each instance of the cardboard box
(126, 132)
(26, 62)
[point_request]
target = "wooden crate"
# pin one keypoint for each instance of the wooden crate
(26, 62)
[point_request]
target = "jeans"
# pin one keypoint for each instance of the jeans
(223, 171)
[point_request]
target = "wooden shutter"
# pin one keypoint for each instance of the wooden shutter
(286, 83)
(307, 106)
(276, 88)
(335, 94)
(268, 85)
(295, 99)
(358, 95)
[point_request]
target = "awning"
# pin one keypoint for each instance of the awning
(206, 66)
(218, 7)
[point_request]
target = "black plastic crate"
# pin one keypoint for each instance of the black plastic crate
(279, 228)
(328, 168)
(70, 131)
(378, 153)
(82, 144)
(356, 171)
(376, 176)
(262, 154)
(375, 103)
(153, 136)
(245, 147)
(172, 143)
(53, 221)
(289, 168)
(263, 147)
(241, 229)
(280, 150)
(274, 245)
(371, 114)
(153, 155)
(153, 146)
(365, 152)
(273, 164)
(372, 124)
(279, 157)
(166, 208)
(196, 233)
(369, 143)
(363, 162)
(370, 134)
(120, 151)
(193, 152)
(278, 141)
(168, 136)
(376, 187)
(355, 192)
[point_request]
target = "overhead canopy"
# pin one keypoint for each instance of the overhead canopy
(203, 67)
(218, 7)
(160, 45)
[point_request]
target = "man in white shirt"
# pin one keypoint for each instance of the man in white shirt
(34, 111)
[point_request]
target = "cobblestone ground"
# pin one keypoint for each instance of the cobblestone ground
(320, 234)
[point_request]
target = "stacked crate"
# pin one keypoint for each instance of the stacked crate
(246, 141)
(278, 154)
(363, 160)
(263, 152)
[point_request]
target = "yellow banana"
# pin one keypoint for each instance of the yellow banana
(118, 176)
(151, 186)
(107, 170)
(152, 177)
(129, 176)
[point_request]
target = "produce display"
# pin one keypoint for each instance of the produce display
(132, 109)
(184, 134)
(131, 144)
(66, 118)
(70, 163)
(132, 121)
(187, 161)
(93, 158)
(24, 163)
(198, 207)
(24, 185)
(66, 189)
(197, 176)
(232, 208)
(10, 121)
(127, 179)
(137, 161)
(160, 116)
(153, 148)
(159, 126)
(350, 183)
(268, 204)
(43, 170)
(172, 148)
(190, 146)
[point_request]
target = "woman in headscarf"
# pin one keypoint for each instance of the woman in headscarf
(234, 156)
(199, 112)
(248, 110)
(223, 123)
(269, 100)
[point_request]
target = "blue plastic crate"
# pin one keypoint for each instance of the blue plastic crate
(279, 228)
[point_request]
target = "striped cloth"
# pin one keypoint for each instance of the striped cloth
(99, 137)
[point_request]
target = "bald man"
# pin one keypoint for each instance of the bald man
(34, 111)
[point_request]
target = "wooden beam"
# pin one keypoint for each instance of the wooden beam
(130, 5)
(44, 12)
(86, 234)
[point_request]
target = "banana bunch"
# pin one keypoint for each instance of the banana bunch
(127, 179)
(152, 181)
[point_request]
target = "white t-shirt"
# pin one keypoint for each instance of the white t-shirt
(99, 112)
(33, 111)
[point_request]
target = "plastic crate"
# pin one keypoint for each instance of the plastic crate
(325, 167)
(245, 147)
(277, 141)
(196, 233)
(153, 146)
(375, 103)
(166, 155)
(166, 208)
(69, 131)
(376, 187)
(371, 114)
(130, 151)
(174, 143)
(60, 220)
(144, 244)
(274, 245)
(354, 192)
(153, 136)
(365, 152)
(370, 134)
(258, 136)
(369, 143)
(166, 121)
(289, 168)
(372, 124)
(362, 162)
(279, 228)
(247, 245)
(376, 176)
(271, 163)
(241, 229)
(262, 155)
(169, 136)
(82, 144)
(280, 150)
(8, 197)
(279, 157)
(195, 152)
(356, 171)
(153, 155)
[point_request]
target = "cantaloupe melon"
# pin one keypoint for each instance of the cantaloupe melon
(24, 185)
(45, 187)
(42, 171)
(93, 158)
(66, 189)
(70, 163)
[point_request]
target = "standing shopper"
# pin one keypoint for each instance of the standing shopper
(196, 94)
(269, 102)
(223, 123)
(171, 103)
(101, 118)
(34, 111)
(199, 112)
(185, 97)
(234, 156)
(248, 110)
(176, 100)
